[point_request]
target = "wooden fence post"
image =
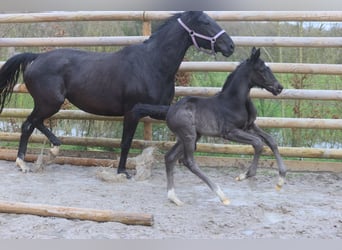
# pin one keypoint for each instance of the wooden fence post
(146, 30)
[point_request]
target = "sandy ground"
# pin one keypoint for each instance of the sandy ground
(309, 205)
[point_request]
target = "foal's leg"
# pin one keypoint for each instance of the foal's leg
(189, 161)
(268, 139)
(171, 157)
(242, 136)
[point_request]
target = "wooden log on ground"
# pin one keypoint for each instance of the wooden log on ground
(76, 213)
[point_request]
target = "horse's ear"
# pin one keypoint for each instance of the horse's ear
(192, 15)
(255, 54)
(195, 14)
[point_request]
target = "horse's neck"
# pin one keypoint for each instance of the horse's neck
(169, 47)
(238, 88)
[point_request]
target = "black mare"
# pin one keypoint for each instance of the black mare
(134, 82)
(230, 114)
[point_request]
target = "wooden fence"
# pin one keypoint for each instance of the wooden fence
(241, 41)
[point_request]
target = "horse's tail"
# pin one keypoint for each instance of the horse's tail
(9, 74)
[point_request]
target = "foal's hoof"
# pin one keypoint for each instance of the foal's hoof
(226, 202)
(171, 195)
(241, 177)
(280, 184)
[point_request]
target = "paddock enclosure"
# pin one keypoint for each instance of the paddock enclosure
(310, 104)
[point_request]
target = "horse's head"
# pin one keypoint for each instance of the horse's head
(262, 76)
(206, 33)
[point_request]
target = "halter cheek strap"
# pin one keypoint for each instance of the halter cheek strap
(193, 36)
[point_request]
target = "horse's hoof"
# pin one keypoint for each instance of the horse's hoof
(171, 195)
(54, 151)
(241, 177)
(280, 184)
(128, 176)
(21, 164)
(222, 196)
(226, 202)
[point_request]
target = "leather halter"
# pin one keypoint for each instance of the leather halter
(193, 36)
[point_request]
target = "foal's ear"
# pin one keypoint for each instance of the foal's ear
(255, 54)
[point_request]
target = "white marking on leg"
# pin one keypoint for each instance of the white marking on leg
(241, 177)
(54, 150)
(171, 195)
(21, 164)
(222, 196)
(280, 183)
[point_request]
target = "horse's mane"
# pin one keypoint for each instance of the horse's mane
(163, 27)
(230, 76)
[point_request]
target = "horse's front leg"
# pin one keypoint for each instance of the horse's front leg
(241, 136)
(129, 127)
(268, 139)
(130, 124)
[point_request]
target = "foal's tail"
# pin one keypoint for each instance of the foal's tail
(9, 74)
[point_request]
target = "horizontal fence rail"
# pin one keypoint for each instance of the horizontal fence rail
(275, 16)
(302, 68)
(303, 94)
(290, 94)
(266, 122)
(201, 147)
(240, 41)
(298, 68)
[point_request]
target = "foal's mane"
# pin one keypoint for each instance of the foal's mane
(231, 75)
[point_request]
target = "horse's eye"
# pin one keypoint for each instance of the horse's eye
(262, 69)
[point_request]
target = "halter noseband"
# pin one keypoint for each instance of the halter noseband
(193, 36)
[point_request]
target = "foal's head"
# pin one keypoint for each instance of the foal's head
(262, 76)
(205, 33)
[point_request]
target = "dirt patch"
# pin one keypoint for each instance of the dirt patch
(309, 206)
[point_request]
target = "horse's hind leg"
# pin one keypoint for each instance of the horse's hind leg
(54, 151)
(52, 138)
(26, 131)
(189, 162)
(171, 158)
(43, 109)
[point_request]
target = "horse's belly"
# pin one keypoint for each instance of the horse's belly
(98, 107)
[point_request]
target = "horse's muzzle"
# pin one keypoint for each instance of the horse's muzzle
(229, 51)
(277, 88)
